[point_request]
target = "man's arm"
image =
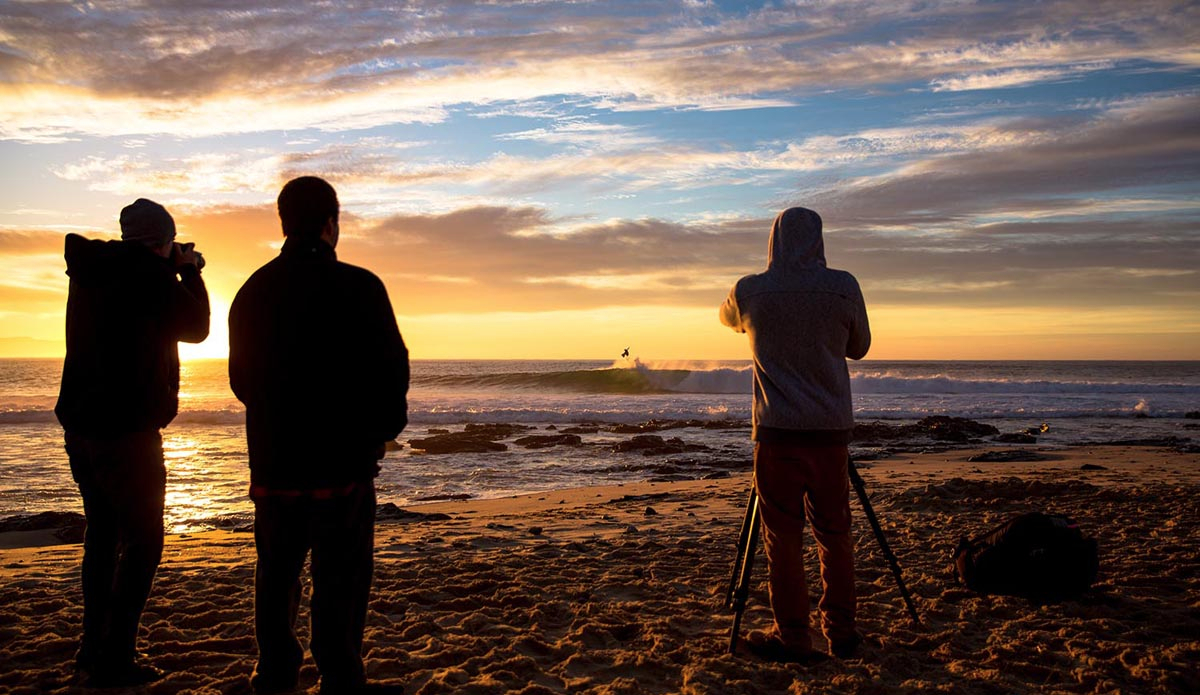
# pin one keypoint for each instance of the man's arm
(189, 310)
(393, 365)
(859, 340)
(241, 366)
(730, 314)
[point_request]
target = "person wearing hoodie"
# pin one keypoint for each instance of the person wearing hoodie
(316, 356)
(803, 320)
(129, 304)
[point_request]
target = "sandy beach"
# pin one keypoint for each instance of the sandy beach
(620, 590)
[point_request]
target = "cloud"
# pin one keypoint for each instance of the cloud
(191, 70)
(381, 173)
(26, 242)
(1011, 78)
(1150, 143)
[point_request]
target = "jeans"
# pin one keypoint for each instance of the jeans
(796, 483)
(340, 533)
(123, 484)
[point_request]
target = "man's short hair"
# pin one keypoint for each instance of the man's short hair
(305, 205)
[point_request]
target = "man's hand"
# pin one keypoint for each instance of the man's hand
(186, 254)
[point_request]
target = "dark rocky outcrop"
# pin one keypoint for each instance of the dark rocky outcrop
(955, 429)
(498, 430)
(939, 428)
(660, 425)
(1016, 438)
(474, 439)
(388, 511)
(456, 443)
(654, 445)
(542, 441)
(68, 527)
(41, 521)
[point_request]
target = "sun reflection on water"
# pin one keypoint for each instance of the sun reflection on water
(204, 482)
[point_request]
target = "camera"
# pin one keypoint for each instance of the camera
(190, 247)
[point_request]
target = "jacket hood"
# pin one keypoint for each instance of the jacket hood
(796, 240)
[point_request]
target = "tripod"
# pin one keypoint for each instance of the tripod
(743, 564)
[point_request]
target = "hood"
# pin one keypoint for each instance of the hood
(92, 258)
(796, 240)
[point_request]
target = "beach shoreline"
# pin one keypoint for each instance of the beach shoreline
(618, 589)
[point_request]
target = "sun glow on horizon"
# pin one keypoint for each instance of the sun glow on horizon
(555, 181)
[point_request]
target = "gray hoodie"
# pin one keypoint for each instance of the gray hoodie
(803, 320)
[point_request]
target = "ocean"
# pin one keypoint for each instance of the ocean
(1081, 402)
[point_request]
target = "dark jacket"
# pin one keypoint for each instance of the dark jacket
(126, 312)
(804, 320)
(315, 354)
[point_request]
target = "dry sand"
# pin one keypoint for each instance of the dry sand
(588, 591)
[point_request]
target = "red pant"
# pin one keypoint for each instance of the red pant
(796, 482)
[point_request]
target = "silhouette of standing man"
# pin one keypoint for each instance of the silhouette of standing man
(803, 320)
(128, 305)
(315, 355)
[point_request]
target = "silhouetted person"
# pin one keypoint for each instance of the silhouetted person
(129, 304)
(803, 320)
(315, 354)
(626, 353)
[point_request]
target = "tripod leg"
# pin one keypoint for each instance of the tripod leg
(741, 591)
(743, 543)
(861, 490)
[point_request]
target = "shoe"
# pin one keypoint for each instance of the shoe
(273, 685)
(847, 648)
(363, 689)
(768, 646)
(126, 675)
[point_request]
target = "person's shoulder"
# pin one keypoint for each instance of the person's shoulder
(263, 275)
(358, 274)
(842, 282)
(843, 275)
(266, 270)
(749, 283)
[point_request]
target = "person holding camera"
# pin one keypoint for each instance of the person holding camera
(129, 304)
(803, 320)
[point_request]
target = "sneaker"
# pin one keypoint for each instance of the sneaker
(274, 684)
(768, 646)
(127, 675)
(847, 648)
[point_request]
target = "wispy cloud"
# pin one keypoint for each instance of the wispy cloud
(1012, 78)
(182, 69)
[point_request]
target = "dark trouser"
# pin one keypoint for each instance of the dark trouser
(340, 532)
(796, 482)
(123, 483)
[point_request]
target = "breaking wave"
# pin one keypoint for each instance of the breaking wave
(648, 378)
(636, 379)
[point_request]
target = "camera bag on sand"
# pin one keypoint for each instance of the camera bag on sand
(1042, 557)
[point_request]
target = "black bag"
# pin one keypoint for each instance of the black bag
(1042, 557)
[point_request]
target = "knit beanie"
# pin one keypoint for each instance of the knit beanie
(148, 222)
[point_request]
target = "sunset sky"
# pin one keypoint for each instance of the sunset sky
(1012, 180)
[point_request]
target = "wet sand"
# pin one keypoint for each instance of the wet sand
(620, 590)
